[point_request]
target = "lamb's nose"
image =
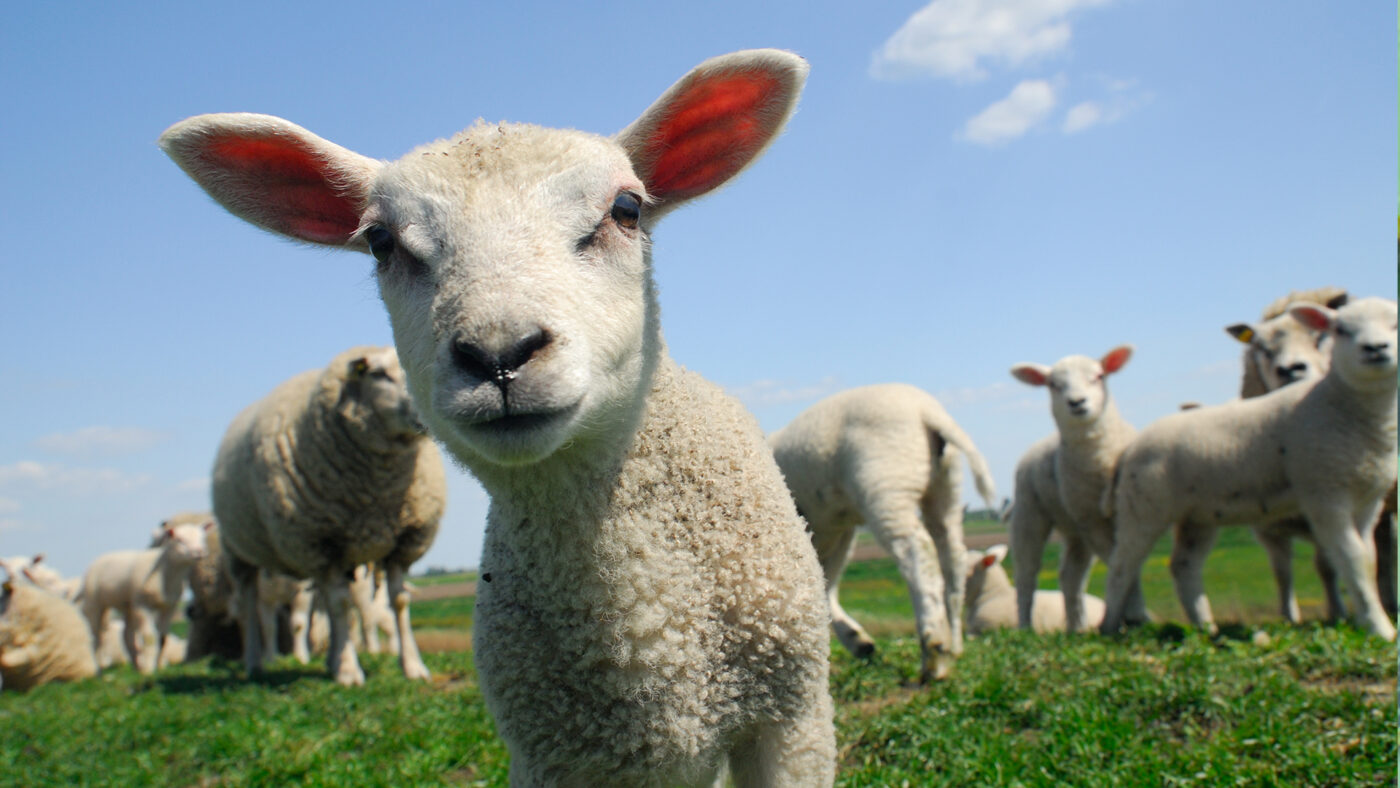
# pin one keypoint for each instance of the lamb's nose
(1077, 403)
(499, 362)
(1292, 371)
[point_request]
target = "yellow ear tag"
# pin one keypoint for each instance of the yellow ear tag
(1245, 335)
(360, 366)
(7, 586)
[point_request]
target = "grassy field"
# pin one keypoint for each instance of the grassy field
(1314, 705)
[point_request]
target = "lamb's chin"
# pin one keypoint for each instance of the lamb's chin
(514, 439)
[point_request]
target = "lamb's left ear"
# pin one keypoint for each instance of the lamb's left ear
(1244, 332)
(1031, 374)
(276, 175)
(1114, 359)
(359, 367)
(712, 124)
(1318, 318)
(995, 554)
(209, 525)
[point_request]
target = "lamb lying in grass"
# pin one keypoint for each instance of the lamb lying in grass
(991, 600)
(1323, 449)
(43, 638)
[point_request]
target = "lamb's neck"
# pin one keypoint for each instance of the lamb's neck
(1101, 439)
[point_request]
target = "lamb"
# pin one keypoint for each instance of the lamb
(887, 456)
(141, 585)
(649, 601)
(213, 627)
(1321, 448)
(43, 638)
(992, 602)
(36, 571)
(1061, 481)
(330, 470)
(277, 592)
(1281, 350)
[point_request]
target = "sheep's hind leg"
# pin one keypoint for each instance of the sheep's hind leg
(833, 554)
(1189, 550)
(1029, 530)
(898, 527)
(1133, 543)
(1074, 579)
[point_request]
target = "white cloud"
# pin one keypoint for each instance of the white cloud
(30, 475)
(1120, 97)
(954, 38)
(776, 392)
(1028, 105)
(98, 441)
(1082, 116)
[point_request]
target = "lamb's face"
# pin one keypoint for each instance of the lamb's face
(1077, 390)
(1285, 351)
(1364, 344)
(186, 544)
(513, 262)
(382, 388)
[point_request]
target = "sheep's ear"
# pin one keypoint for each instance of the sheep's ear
(169, 533)
(1338, 301)
(359, 367)
(997, 553)
(1244, 332)
(712, 124)
(1318, 318)
(209, 525)
(38, 558)
(275, 174)
(1031, 374)
(1114, 359)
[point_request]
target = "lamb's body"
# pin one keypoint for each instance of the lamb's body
(889, 457)
(991, 599)
(315, 479)
(43, 638)
(1323, 449)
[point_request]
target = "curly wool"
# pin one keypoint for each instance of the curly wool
(42, 638)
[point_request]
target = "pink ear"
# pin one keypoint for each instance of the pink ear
(1114, 359)
(38, 557)
(1315, 317)
(209, 526)
(988, 560)
(1031, 374)
(169, 533)
(713, 123)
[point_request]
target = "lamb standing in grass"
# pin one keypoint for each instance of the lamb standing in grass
(1323, 448)
(1061, 482)
(213, 628)
(43, 638)
(145, 586)
(887, 456)
(991, 600)
(329, 471)
(649, 602)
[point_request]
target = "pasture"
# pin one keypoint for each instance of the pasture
(1314, 705)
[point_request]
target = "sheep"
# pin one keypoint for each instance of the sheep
(1323, 448)
(36, 571)
(43, 638)
(1281, 350)
(887, 456)
(992, 602)
(328, 471)
(1061, 481)
(213, 627)
(111, 649)
(141, 585)
(649, 602)
(275, 593)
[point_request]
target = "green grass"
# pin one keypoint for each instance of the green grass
(1161, 706)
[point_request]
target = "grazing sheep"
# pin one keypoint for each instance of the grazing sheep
(329, 471)
(992, 602)
(1282, 350)
(1061, 481)
(887, 456)
(43, 638)
(1322, 448)
(142, 585)
(649, 601)
(213, 627)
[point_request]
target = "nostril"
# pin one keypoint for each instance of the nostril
(472, 359)
(525, 349)
(499, 365)
(1376, 347)
(1074, 403)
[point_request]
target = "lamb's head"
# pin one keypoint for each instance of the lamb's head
(367, 387)
(1283, 350)
(982, 567)
(514, 260)
(1078, 384)
(1363, 341)
(186, 543)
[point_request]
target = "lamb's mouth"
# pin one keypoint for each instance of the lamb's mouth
(508, 423)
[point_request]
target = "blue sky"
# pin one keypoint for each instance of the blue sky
(966, 185)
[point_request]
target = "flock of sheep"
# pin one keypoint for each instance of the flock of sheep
(651, 610)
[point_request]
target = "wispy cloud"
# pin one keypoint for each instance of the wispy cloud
(30, 475)
(1120, 97)
(956, 39)
(98, 441)
(778, 392)
(1029, 104)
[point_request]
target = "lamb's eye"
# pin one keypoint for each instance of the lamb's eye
(1344, 332)
(627, 210)
(381, 242)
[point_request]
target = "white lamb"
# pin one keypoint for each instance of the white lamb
(1062, 479)
(991, 599)
(649, 601)
(1282, 350)
(43, 638)
(1323, 448)
(329, 471)
(887, 456)
(36, 571)
(145, 587)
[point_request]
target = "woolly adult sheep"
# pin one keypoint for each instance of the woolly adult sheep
(145, 586)
(1062, 479)
(887, 456)
(1323, 449)
(43, 638)
(991, 600)
(330, 470)
(649, 602)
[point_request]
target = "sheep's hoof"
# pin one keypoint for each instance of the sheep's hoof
(416, 671)
(864, 649)
(350, 674)
(939, 666)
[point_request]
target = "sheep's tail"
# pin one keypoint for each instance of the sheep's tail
(938, 421)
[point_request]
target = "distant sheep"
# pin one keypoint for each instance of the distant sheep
(329, 471)
(650, 604)
(887, 456)
(36, 571)
(43, 638)
(991, 600)
(213, 629)
(1061, 481)
(1323, 448)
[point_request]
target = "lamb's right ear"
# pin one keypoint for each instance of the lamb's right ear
(1318, 318)
(1244, 332)
(275, 174)
(1116, 358)
(997, 553)
(712, 124)
(1031, 374)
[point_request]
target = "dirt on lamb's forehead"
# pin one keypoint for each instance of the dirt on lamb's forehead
(511, 152)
